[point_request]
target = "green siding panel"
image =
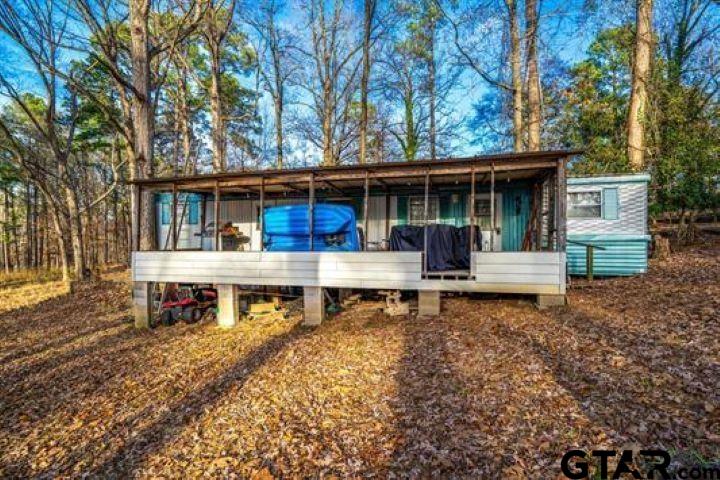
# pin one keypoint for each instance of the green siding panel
(515, 217)
(402, 210)
(447, 210)
(623, 255)
(452, 209)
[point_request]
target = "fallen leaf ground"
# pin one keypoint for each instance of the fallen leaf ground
(490, 389)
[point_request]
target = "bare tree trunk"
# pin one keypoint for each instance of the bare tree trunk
(431, 91)
(278, 106)
(218, 122)
(28, 228)
(76, 235)
(640, 78)
(116, 231)
(37, 234)
(327, 126)
(533, 77)
(365, 77)
(15, 242)
(516, 69)
(6, 232)
(54, 213)
(143, 123)
(184, 125)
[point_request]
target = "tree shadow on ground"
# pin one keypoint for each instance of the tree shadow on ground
(437, 435)
(636, 395)
(65, 380)
(138, 441)
(60, 318)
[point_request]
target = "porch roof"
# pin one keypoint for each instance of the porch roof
(388, 175)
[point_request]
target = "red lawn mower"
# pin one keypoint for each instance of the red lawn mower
(183, 302)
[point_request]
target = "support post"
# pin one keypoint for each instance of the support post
(174, 216)
(562, 206)
(216, 208)
(203, 218)
(313, 305)
(387, 216)
(137, 217)
(228, 306)
(492, 207)
(311, 211)
(547, 301)
(428, 303)
(366, 206)
(261, 220)
(142, 303)
(589, 260)
(472, 211)
(425, 223)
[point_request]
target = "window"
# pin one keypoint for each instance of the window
(416, 210)
(584, 204)
(191, 212)
(482, 213)
(165, 213)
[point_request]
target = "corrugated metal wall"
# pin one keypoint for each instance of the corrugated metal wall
(624, 237)
(623, 255)
(632, 210)
(515, 217)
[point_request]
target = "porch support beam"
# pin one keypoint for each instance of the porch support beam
(366, 207)
(472, 212)
(425, 223)
(492, 208)
(136, 219)
(203, 218)
(261, 220)
(174, 216)
(228, 306)
(216, 207)
(313, 306)
(311, 211)
(561, 201)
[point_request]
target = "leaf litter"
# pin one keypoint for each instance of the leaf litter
(490, 389)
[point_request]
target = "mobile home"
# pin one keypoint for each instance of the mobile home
(513, 205)
(610, 212)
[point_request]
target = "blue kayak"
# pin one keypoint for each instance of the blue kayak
(287, 228)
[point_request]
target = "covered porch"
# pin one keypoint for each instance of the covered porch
(512, 206)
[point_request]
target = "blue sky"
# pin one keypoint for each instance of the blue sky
(565, 33)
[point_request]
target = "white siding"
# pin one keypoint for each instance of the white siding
(501, 272)
(632, 210)
(525, 269)
(329, 269)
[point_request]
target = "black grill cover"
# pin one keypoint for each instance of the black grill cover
(448, 246)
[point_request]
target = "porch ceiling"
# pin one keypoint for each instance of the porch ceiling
(384, 177)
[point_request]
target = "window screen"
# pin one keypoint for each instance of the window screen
(584, 204)
(416, 210)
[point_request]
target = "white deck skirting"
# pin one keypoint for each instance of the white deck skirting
(500, 272)
(523, 270)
